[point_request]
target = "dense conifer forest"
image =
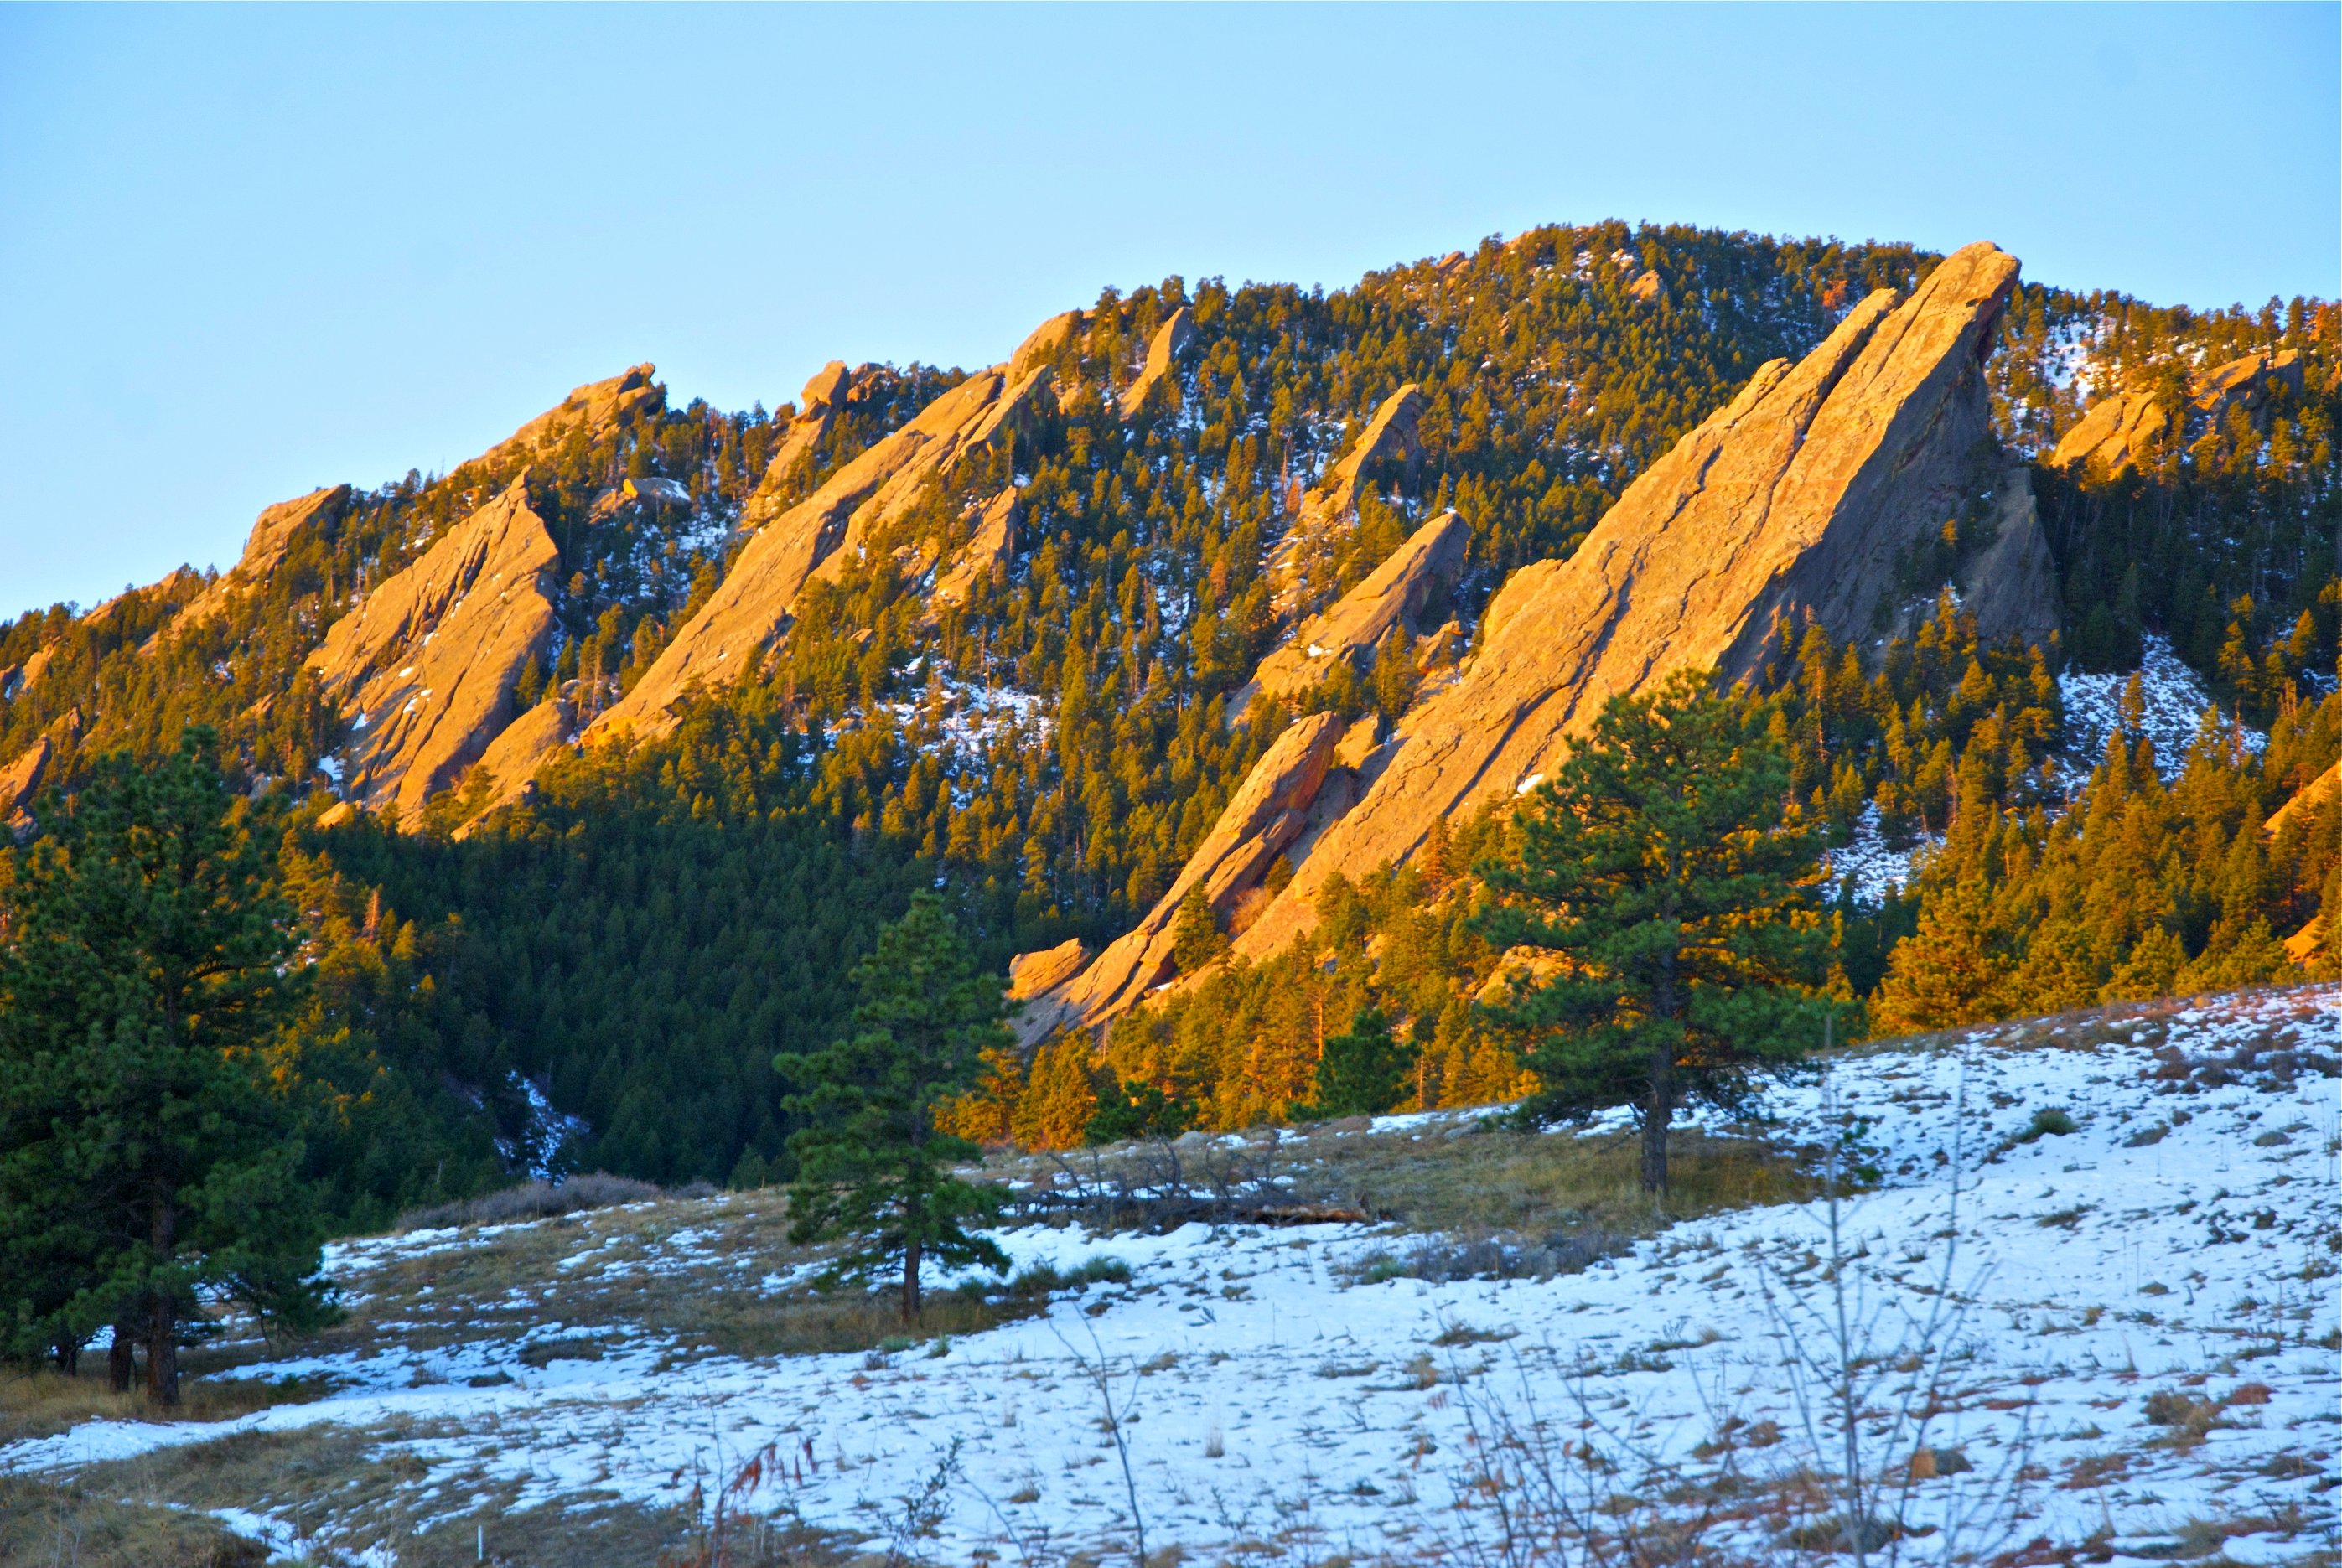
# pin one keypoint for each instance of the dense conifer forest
(600, 976)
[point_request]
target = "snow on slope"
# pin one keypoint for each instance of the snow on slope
(2173, 700)
(2181, 1241)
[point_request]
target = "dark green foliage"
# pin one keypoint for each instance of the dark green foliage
(1364, 1071)
(1128, 1111)
(146, 1154)
(871, 1166)
(1659, 869)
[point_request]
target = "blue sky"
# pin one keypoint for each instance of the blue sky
(246, 251)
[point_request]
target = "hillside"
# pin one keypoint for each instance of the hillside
(626, 734)
(2087, 1259)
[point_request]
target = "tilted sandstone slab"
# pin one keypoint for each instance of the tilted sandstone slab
(2011, 585)
(1392, 595)
(1269, 812)
(1330, 504)
(2120, 431)
(598, 408)
(265, 550)
(425, 668)
(1030, 973)
(1799, 498)
(2309, 798)
(512, 759)
(817, 407)
(992, 546)
(19, 779)
(753, 605)
(1162, 352)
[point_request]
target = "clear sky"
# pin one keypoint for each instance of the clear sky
(244, 252)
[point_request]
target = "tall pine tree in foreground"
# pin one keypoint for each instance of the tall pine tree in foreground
(872, 1166)
(146, 1153)
(1660, 867)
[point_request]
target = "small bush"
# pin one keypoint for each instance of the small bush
(2047, 1122)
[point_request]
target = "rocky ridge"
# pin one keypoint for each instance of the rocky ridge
(1334, 499)
(425, 668)
(1394, 595)
(2120, 431)
(264, 550)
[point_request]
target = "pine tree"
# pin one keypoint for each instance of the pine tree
(1196, 940)
(1660, 865)
(873, 1166)
(147, 1156)
(1364, 1069)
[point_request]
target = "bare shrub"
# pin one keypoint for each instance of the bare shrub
(539, 1201)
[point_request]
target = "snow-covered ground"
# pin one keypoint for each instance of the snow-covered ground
(2178, 1244)
(2173, 702)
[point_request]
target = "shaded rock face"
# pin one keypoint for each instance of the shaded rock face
(598, 408)
(1799, 498)
(264, 550)
(1393, 594)
(825, 532)
(512, 759)
(1163, 351)
(425, 668)
(2119, 432)
(1269, 812)
(2011, 584)
(1330, 504)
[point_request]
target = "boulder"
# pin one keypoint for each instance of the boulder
(1269, 812)
(1796, 499)
(1030, 973)
(425, 667)
(826, 388)
(1162, 352)
(824, 534)
(512, 759)
(2011, 584)
(1332, 503)
(1392, 595)
(265, 548)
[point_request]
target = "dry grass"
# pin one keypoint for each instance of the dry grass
(43, 1401)
(537, 1201)
(71, 1525)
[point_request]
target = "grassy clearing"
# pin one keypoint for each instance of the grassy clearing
(43, 1522)
(44, 1401)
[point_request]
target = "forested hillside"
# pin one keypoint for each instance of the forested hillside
(600, 972)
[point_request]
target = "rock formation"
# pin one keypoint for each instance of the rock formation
(1393, 594)
(1163, 351)
(992, 546)
(36, 664)
(2011, 584)
(512, 759)
(818, 407)
(825, 532)
(264, 550)
(2325, 787)
(2120, 431)
(596, 408)
(1795, 499)
(1269, 812)
(425, 667)
(18, 780)
(1030, 973)
(1330, 504)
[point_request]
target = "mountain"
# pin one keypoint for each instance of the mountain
(1267, 592)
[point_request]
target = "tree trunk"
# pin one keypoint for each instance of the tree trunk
(122, 1360)
(1658, 1111)
(911, 1280)
(162, 1326)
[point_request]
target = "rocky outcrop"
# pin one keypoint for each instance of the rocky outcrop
(1031, 974)
(425, 668)
(36, 664)
(1647, 289)
(817, 407)
(1042, 344)
(991, 547)
(512, 759)
(599, 408)
(825, 532)
(1393, 594)
(265, 550)
(2318, 793)
(1330, 504)
(18, 781)
(1162, 352)
(1796, 499)
(2119, 432)
(1269, 812)
(2010, 586)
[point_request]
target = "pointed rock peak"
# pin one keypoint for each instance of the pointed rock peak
(825, 389)
(598, 408)
(1163, 351)
(1795, 499)
(1042, 345)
